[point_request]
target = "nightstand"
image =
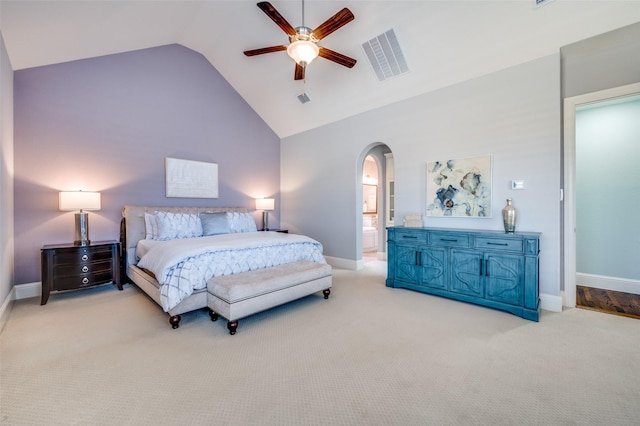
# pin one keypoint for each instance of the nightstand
(284, 231)
(71, 267)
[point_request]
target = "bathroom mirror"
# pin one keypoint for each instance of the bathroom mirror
(369, 198)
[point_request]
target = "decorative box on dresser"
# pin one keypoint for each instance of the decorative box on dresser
(71, 267)
(488, 268)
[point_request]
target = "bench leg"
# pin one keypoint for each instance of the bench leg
(213, 315)
(232, 326)
(326, 293)
(174, 320)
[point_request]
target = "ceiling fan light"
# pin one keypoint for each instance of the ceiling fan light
(303, 51)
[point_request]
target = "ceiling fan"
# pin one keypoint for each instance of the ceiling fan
(303, 41)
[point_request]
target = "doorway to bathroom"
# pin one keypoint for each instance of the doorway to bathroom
(377, 203)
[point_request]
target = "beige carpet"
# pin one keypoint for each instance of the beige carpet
(369, 355)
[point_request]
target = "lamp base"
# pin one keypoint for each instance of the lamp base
(82, 229)
(265, 220)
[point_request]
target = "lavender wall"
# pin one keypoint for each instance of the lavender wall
(106, 124)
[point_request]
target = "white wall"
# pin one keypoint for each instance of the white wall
(607, 190)
(6, 174)
(512, 115)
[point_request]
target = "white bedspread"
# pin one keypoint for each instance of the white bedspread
(184, 265)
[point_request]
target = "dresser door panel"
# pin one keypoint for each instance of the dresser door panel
(466, 271)
(406, 268)
(504, 276)
(433, 267)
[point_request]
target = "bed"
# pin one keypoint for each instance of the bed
(171, 252)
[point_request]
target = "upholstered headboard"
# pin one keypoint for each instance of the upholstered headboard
(132, 228)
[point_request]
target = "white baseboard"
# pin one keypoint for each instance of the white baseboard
(5, 309)
(550, 303)
(339, 262)
(25, 291)
(608, 283)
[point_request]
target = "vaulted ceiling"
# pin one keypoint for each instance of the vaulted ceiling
(444, 42)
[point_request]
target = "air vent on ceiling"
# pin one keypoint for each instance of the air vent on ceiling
(538, 3)
(303, 98)
(385, 55)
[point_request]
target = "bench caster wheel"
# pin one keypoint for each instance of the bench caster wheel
(232, 326)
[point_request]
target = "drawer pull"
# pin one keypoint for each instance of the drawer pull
(85, 268)
(85, 257)
(448, 240)
(85, 280)
(497, 244)
(410, 236)
(480, 267)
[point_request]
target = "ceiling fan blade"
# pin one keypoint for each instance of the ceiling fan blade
(336, 57)
(335, 22)
(272, 13)
(271, 49)
(299, 74)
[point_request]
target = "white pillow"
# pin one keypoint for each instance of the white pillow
(150, 226)
(172, 226)
(241, 222)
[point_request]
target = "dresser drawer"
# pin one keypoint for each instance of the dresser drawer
(449, 240)
(499, 244)
(408, 236)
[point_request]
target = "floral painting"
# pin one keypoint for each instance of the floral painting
(459, 188)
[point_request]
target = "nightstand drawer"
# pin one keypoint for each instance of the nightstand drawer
(77, 256)
(61, 270)
(86, 280)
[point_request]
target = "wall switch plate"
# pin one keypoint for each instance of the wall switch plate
(517, 184)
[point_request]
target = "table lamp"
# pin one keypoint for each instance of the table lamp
(265, 204)
(80, 200)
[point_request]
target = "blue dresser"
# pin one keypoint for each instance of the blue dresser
(488, 268)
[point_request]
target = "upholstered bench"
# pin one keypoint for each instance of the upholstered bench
(240, 295)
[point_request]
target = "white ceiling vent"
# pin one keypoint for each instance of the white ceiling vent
(303, 98)
(385, 55)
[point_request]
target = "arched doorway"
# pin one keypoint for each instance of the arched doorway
(374, 171)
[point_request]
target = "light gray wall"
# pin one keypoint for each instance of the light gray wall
(601, 62)
(512, 115)
(6, 173)
(607, 190)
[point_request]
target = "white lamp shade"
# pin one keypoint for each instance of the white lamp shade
(303, 51)
(265, 203)
(79, 200)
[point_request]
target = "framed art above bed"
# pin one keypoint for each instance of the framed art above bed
(191, 179)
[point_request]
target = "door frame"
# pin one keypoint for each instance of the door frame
(569, 231)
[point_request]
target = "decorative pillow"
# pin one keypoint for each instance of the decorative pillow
(241, 222)
(214, 223)
(150, 226)
(172, 226)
